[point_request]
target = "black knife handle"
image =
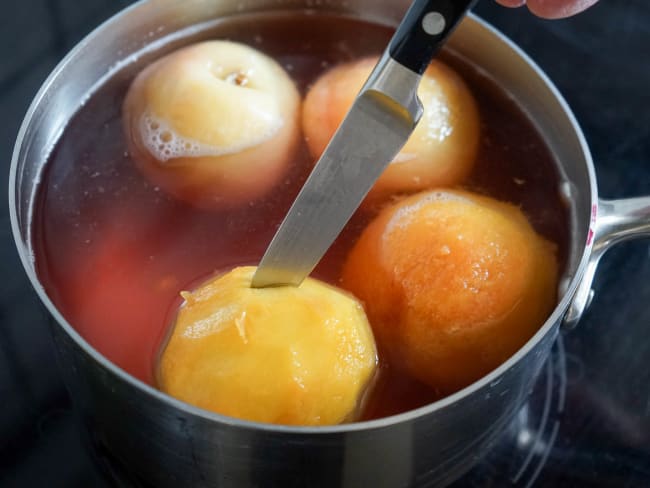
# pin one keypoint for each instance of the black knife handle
(423, 29)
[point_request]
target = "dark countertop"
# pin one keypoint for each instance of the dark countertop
(599, 60)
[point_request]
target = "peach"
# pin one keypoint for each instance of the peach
(453, 284)
(213, 124)
(285, 355)
(440, 152)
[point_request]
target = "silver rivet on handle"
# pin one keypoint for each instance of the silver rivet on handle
(433, 23)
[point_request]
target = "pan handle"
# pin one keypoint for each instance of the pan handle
(617, 221)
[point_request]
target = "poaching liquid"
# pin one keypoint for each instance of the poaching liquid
(113, 251)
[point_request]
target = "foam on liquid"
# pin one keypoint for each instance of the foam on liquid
(164, 143)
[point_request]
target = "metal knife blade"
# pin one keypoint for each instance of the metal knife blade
(377, 126)
(373, 132)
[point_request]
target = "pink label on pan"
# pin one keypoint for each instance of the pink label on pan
(594, 214)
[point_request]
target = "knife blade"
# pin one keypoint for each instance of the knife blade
(381, 119)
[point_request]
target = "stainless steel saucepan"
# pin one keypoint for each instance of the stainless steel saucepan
(159, 441)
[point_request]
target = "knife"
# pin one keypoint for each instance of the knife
(382, 118)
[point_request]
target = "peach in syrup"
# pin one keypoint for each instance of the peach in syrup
(214, 124)
(286, 355)
(440, 152)
(453, 284)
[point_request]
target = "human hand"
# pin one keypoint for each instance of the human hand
(551, 9)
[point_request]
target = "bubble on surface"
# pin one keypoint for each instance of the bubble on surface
(164, 143)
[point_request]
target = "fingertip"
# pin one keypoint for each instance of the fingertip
(558, 9)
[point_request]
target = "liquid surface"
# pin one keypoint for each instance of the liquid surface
(113, 251)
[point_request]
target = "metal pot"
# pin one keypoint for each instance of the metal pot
(155, 440)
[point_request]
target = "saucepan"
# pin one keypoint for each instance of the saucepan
(155, 440)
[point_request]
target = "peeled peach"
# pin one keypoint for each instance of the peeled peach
(213, 124)
(287, 355)
(453, 284)
(440, 152)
